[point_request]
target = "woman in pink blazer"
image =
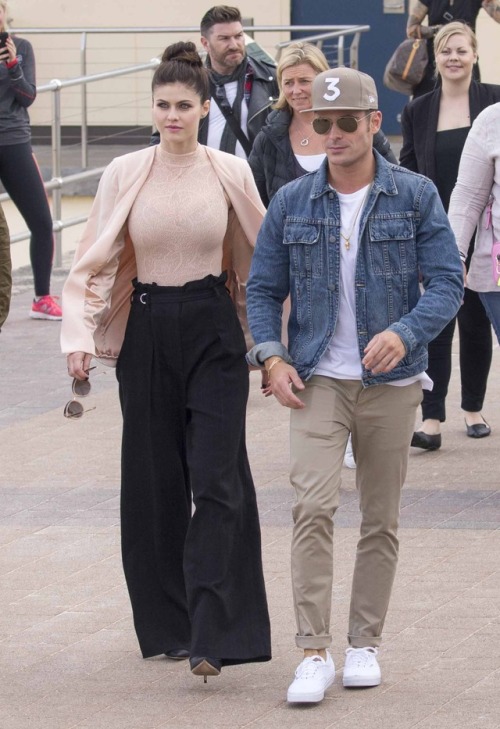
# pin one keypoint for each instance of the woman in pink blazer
(157, 286)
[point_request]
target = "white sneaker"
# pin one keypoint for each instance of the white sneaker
(349, 461)
(361, 668)
(312, 677)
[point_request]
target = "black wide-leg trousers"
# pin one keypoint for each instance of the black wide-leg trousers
(195, 579)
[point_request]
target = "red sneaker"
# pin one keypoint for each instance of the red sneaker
(46, 308)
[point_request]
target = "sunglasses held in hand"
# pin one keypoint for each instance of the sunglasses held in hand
(348, 124)
(81, 388)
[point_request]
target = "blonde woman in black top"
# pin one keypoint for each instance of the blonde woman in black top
(435, 127)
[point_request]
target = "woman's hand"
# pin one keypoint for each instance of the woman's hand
(9, 53)
(265, 385)
(79, 365)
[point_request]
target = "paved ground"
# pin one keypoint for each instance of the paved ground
(68, 653)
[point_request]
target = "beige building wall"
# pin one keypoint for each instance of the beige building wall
(126, 100)
(488, 36)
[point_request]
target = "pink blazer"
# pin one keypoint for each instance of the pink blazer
(96, 294)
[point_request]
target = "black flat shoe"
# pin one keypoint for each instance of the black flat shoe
(180, 654)
(427, 442)
(479, 430)
(205, 667)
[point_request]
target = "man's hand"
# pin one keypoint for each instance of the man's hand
(492, 7)
(414, 27)
(281, 379)
(383, 352)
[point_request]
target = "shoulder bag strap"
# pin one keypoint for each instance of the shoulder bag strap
(227, 112)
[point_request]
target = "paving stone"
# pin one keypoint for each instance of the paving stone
(68, 653)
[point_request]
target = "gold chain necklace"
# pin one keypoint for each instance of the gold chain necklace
(347, 238)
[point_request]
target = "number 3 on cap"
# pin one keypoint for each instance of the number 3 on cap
(332, 86)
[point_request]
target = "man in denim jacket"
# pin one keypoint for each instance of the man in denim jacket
(349, 244)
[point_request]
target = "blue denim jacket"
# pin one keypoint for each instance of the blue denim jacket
(405, 238)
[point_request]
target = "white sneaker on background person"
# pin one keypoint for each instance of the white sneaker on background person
(361, 668)
(349, 461)
(312, 677)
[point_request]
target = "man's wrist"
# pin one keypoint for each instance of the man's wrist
(270, 362)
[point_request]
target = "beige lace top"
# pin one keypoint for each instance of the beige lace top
(178, 220)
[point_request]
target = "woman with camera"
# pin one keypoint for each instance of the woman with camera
(19, 171)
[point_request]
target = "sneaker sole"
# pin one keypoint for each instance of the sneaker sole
(48, 317)
(309, 698)
(359, 682)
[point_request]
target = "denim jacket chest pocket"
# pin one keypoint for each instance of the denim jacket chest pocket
(305, 250)
(392, 244)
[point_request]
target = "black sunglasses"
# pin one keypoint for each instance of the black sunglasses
(348, 124)
(81, 388)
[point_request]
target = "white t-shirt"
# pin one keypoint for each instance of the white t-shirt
(217, 120)
(310, 162)
(342, 360)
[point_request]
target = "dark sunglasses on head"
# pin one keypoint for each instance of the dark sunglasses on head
(81, 388)
(348, 124)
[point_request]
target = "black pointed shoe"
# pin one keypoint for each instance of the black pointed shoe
(479, 430)
(205, 667)
(425, 441)
(178, 654)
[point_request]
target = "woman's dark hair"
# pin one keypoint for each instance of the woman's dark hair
(181, 63)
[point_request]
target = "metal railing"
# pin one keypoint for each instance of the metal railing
(340, 35)
(321, 34)
(57, 182)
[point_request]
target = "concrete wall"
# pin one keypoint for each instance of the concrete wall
(126, 101)
(122, 101)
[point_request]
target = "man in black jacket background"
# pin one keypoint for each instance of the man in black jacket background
(243, 86)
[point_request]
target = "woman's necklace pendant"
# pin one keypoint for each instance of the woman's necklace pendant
(304, 142)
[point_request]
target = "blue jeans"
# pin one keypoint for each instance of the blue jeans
(491, 302)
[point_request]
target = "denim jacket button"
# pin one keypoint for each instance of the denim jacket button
(332, 239)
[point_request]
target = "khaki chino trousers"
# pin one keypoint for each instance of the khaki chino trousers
(381, 419)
